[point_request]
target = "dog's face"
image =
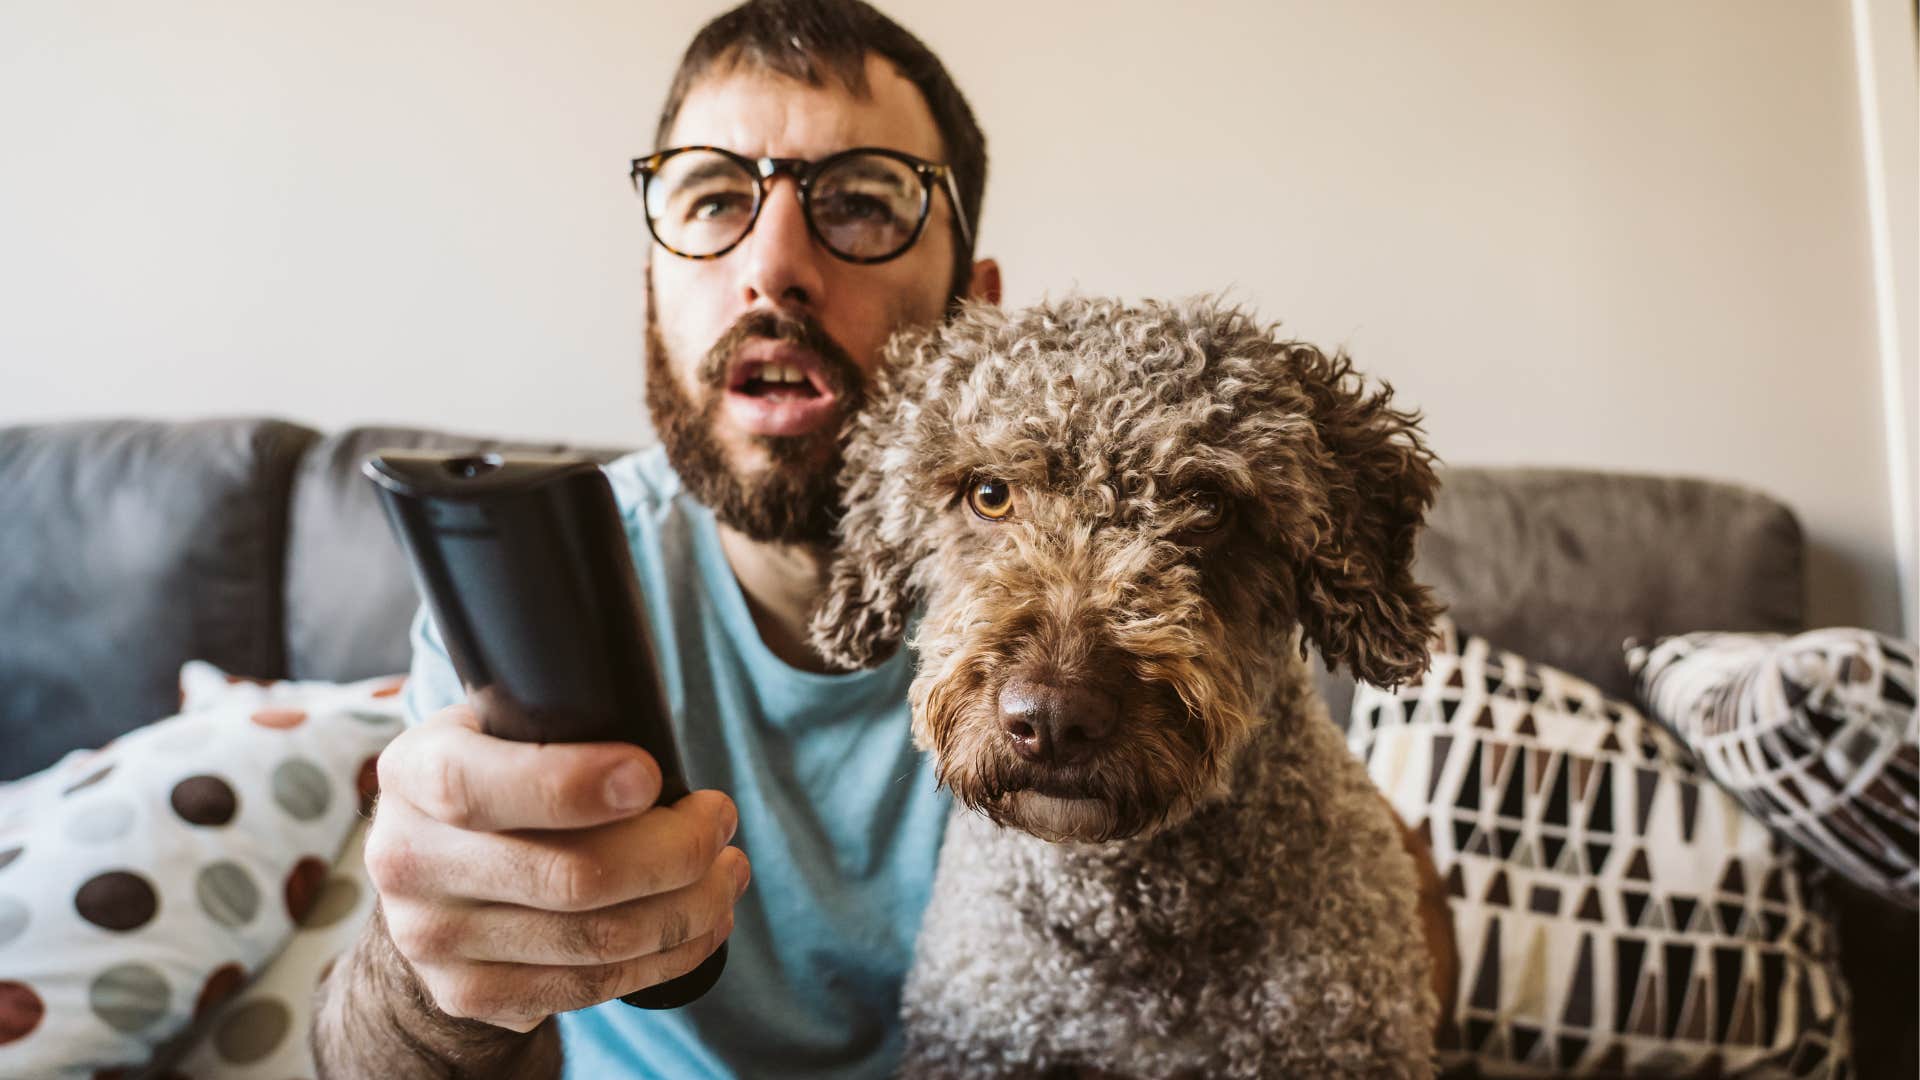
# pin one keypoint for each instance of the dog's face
(1120, 520)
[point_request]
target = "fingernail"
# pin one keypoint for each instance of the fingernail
(729, 822)
(627, 786)
(741, 875)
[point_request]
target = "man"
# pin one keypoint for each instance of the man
(518, 881)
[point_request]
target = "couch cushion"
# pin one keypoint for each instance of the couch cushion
(131, 547)
(349, 595)
(1817, 735)
(1617, 914)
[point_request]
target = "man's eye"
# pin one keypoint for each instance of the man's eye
(711, 207)
(990, 499)
(849, 208)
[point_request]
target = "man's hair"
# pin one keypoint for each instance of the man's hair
(807, 40)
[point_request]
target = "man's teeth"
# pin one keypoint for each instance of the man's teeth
(781, 373)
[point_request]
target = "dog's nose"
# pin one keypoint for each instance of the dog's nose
(1055, 724)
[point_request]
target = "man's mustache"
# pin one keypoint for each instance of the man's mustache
(842, 376)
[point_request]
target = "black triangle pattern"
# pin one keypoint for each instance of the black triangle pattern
(1513, 803)
(1578, 1011)
(1486, 981)
(1645, 783)
(1635, 904)
(1550, 846)
(1442, 746)
(1469, 794)
(1525, 1039)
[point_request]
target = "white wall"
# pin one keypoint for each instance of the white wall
(1628, 235)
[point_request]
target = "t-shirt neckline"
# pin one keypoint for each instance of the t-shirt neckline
(725, 591)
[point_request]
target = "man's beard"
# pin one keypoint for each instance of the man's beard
(796, 498)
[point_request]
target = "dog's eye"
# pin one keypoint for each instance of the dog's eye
(1209, 511)
(991, 499)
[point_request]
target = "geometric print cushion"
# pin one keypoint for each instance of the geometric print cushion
(1615, 911)
(145, 884)
(1818, 735)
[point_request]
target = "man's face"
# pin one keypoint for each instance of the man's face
(725, 335)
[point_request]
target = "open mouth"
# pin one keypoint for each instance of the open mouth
(780, 391)
(775, 381)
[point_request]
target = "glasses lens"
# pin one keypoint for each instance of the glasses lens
(867, 206)
(700, 202)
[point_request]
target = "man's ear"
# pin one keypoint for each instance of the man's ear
(984, 285)
(1356, 595)
(885, 525)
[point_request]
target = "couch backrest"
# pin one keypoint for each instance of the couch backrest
(127, 548)
(1564, 565)
(131, 546)
(1559, 564)
(350, 597)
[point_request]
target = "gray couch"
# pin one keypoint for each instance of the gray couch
(128, 547)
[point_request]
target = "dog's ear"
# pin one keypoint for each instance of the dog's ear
(1356, 596)
(884, 526)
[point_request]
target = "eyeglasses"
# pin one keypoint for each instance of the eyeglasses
(865, 205)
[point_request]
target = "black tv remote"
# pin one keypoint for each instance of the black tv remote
(525, 567)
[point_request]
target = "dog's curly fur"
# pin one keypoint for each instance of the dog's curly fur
(1218, 890)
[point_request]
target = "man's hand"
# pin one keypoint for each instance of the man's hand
(521, 879)
(518, 880)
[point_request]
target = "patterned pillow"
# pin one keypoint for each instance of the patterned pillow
(1615, 911)
(143, 884)
(1818, 735)
(261, 1033)
(203, 685)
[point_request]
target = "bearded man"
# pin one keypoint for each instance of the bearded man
(814, 190)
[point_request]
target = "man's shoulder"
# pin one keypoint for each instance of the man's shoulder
(643, 483)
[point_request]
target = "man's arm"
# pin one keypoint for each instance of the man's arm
(515, 881)
(375, 1020)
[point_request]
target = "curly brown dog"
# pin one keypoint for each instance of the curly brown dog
(1124, 524)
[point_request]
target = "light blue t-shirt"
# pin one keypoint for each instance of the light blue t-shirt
(839, 816)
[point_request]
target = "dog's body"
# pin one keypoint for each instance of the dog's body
(1251, 940)
(1125, 523)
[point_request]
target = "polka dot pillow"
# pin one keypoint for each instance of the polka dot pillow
(261, 1032)
(144, 884)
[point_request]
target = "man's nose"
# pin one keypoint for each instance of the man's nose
(782, 264)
